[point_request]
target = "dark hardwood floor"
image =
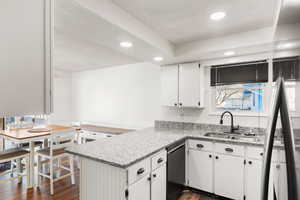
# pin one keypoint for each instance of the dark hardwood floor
(63, 190)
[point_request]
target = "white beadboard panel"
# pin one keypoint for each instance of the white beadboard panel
(99, 181)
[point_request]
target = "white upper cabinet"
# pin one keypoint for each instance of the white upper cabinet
(169, 84)
(25, 57)
(182, 85)
(189, 85)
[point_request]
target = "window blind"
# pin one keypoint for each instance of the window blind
(249, 72)
(288, 68)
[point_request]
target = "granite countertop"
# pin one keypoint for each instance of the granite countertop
(129, 148)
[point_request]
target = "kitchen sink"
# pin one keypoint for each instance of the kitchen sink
(233, 136)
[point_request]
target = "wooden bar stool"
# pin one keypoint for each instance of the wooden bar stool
(10, 155)
(56, 152)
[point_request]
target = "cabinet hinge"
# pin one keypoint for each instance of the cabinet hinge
(126, 194)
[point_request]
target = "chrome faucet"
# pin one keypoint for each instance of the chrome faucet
(232, 128)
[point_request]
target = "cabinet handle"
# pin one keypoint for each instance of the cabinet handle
(199, 104)
(250, 162)
(210, 156)
(160, 160)
(217, 157)
(175, 104)
(149, 178)
(180, 104)
(261, 154)
(229, 150)
(140, 171)
(154, 175)
(200, 146)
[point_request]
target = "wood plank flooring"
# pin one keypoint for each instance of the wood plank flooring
(63, 190)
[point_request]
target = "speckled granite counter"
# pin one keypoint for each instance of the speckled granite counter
(127, 149)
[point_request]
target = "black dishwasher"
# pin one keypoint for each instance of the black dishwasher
(175, 169)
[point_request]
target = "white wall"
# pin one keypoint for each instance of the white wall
(129, 96)
(124, 96)
(62, 98)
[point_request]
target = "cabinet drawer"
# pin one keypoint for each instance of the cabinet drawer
(200, 145)
(258, 153)
(255, 152)
(139, 170)
(159, 159)
(230, 149)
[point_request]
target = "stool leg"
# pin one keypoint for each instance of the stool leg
(39, 170)
(51, 177)
(27, 171)
(19, 170)
(71, 161)
(11, 168)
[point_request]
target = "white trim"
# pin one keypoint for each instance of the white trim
(247, 114)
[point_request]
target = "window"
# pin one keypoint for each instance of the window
(255, 72)
(240, 97)
(239, 87)
(288, 68)
(25, 121)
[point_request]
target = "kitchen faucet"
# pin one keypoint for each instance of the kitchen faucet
(232, 128)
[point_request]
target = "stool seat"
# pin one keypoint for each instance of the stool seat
(12, 153)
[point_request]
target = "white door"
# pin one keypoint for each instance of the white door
(140, 189)
(159, 184)
(189, 85)
(229, 176)
(200, 170)
(169, 85)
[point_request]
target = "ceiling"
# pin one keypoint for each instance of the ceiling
(87, 33)
(184, 21)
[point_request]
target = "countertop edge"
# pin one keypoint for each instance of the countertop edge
(163, 147)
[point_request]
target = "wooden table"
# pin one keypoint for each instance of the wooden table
(22, 135)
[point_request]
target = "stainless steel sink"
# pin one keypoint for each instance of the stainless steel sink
(230, 136)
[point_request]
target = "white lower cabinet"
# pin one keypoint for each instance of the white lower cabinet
(153, 183)
(229, 176)
(253, 179)
(159, 184)
(253, 175)
(282, 186)
(200, 170)
(140, 189)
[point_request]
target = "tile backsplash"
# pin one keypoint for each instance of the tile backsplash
(214, 127)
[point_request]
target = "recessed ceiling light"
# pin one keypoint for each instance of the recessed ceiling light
(158, 58)
(126, 44)
(285, 46)
(216, 16)
(229, 53)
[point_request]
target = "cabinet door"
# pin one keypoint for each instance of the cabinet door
(253, 179)
(140, 189)
(229, 176)
(169, 85)
(283, 188)
(159, 184)
(200, 170)
(189, 85)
